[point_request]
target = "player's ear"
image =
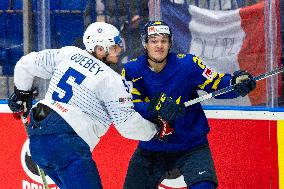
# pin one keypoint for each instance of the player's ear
(145, 46)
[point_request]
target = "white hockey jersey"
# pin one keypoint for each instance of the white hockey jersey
(87, 93)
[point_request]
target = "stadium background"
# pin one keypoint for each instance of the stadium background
(247, 135)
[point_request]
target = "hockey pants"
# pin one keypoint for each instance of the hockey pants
(62, 154)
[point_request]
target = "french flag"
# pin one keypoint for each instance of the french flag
(224, 40)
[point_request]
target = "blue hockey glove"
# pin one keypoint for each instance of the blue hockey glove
(243, 82)
(20, 102)
(165, 108)
(164, 130)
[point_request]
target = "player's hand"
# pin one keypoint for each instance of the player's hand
(165, 108)
(164, 130)
(20, 102)
(243, 82)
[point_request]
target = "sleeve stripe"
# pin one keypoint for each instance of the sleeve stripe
(217, 81)
(146, 99)
(135, 91)
(202, 86)
(137, 100)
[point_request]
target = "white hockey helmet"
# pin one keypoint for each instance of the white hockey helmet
(101, 34)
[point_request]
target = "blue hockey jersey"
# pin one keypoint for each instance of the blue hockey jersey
(180, 79)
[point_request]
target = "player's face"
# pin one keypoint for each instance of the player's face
(114, 53)
(158, 47)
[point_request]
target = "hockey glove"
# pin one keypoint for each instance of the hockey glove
(165, 108)
(20, 102)
(164, 130)
(243, 82)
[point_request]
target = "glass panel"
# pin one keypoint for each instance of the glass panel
(11, 43)
(228, 36)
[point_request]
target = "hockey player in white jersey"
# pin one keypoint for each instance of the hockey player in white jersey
(83, 98)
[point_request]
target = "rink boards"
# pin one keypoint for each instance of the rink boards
(247, 147)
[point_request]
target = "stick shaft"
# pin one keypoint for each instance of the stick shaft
(40, 171)
(231, 87)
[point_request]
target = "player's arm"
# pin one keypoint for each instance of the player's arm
(140, 101)
(40, 64)
(207, 79)
(160, 106)
(130, 124)
(36, 64)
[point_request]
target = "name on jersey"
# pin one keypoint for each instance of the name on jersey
(87, 63)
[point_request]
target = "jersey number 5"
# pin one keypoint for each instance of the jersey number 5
(62, 84)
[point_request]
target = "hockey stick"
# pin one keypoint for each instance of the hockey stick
(40, 171)
(26, 125)
(231, 87)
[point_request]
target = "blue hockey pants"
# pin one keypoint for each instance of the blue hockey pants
(63, 155)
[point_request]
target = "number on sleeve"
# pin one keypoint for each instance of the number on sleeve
(126, 86)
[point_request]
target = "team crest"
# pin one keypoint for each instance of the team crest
(180, 56)
(100, 30)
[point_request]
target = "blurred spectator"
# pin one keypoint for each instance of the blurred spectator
(251, 2)
(126, 15)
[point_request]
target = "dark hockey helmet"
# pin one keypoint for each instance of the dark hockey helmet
(154, 28)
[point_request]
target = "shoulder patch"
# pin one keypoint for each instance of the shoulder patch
(209, 73)
(181, 56)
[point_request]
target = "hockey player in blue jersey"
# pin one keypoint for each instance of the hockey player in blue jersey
(84, 97)
(178, 76)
